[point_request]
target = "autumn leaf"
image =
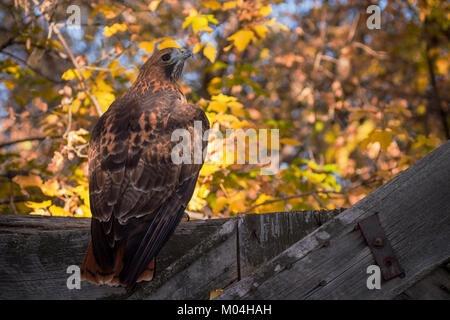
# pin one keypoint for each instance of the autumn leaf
(104, 98)
(241, 39)
(168, 44)
(38, 205)
(266, 10)
(210, 52)
(147, 46)
(211, 4)
(220, 204)
(229, 5)
(381, 136)
(199, 22)
(221, 102)
(261, 31)
(197, 48)
(117, 27)
(71, 74)
(58, 211)
(153, 5)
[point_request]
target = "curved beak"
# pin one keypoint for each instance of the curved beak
(185, 54)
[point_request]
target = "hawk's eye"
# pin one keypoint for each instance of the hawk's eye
(165, 57)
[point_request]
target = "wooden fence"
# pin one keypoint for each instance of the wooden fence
(290, 255)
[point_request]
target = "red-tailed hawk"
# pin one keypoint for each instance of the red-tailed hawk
(138, 195)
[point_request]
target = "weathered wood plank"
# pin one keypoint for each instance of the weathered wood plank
(435, 286)
(331, 262)
(34, 259)
(201, 256)
(263, 236)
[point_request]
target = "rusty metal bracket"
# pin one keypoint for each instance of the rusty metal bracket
(380, 247)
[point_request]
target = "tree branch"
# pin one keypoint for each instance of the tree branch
(77, 66)
(300, 195)
(438, 105)
(8, 143)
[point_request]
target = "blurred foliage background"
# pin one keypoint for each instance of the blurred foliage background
(354, 106)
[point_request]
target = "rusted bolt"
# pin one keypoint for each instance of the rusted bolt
(378, 243)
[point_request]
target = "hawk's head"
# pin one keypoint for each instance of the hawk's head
(167, 63)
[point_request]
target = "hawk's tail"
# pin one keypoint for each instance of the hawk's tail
(92, 272)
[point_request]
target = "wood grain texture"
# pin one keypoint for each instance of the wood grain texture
(295, 255)
(36, 252)
(201, 256)
(436, 285)
(263, 236)
(331, 262)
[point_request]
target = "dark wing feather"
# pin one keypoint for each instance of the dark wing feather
(163, 225)
(137, 194)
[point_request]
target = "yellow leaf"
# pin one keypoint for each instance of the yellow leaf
(208, 169)
(421, 109)
(290, 141)
(237, 205)
(9, 85)
(241, 38)
(76, 104)
(261, 31)
(229, 5)
(221, 102)
(264, 53)
(197, 48)
(210, 52)
(58, 211)
(104, 99)
(83, 211)
(69, 74)
(199, 22)
(153, 5)
(383, 137)
(168, 44)
(198, 199)
(266, 10)
(50, 188)
(211, 4)
(38, 205)
(236, 109)
(147, 46)
(220, 203)
(110, 31)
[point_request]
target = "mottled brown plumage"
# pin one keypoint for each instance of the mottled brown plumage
(137, 194)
